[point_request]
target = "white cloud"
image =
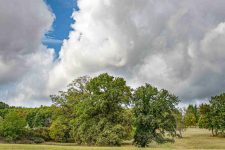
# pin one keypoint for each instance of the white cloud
(24, 61)
(173, 44)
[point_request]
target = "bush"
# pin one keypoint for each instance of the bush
(9, 139)
(13, 126)
(38, 140)
(25, 141)
(112, 136)
(38, 133)
(59, 130)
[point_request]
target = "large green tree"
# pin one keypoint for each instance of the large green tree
(153, 110)
(96, 110)
(101, 116)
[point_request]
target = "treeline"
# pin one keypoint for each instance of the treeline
(105, 111)
(209, 116)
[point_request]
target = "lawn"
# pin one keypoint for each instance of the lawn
(193, 139)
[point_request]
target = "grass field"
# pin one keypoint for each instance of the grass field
(193, 139)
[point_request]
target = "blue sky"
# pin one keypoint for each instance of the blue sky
(62, 10)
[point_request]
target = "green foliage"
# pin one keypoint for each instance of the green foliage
(40, 117)
(101, 116)
(13, 126)
(3, 112)
(1, 125)
(212, 116)
(59, 130)
(3, 105)
(191, 116)
(40, 133)
(190, 120)
(217, 104)
(3, 109)
(105, 111)
(153, 111)
(66, 103)
(196, 113)
(205, 117)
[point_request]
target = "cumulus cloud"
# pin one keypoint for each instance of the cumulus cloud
(173, 44)
(24, 61)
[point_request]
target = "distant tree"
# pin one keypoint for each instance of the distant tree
(205, 120)
(180, 126)
(153, 111)
(13, 126)
(3, 105)
(217, 104)
(196, 113)
(190, 116)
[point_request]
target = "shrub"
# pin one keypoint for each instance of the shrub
(13, 126)
(59, 130)
(41, 133)
(37, 140)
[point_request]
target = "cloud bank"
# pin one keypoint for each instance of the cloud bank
(172, 44)
(24, 61)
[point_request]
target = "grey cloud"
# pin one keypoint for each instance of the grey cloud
(22, 25)
(172, 44)
(24, 61)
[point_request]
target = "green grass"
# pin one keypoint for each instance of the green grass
(193, 139)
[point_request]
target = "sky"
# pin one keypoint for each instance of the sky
(171, 44)
(61, 26)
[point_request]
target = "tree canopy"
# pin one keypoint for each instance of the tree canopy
(153, 110)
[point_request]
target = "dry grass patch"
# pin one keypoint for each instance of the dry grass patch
(194, 138)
